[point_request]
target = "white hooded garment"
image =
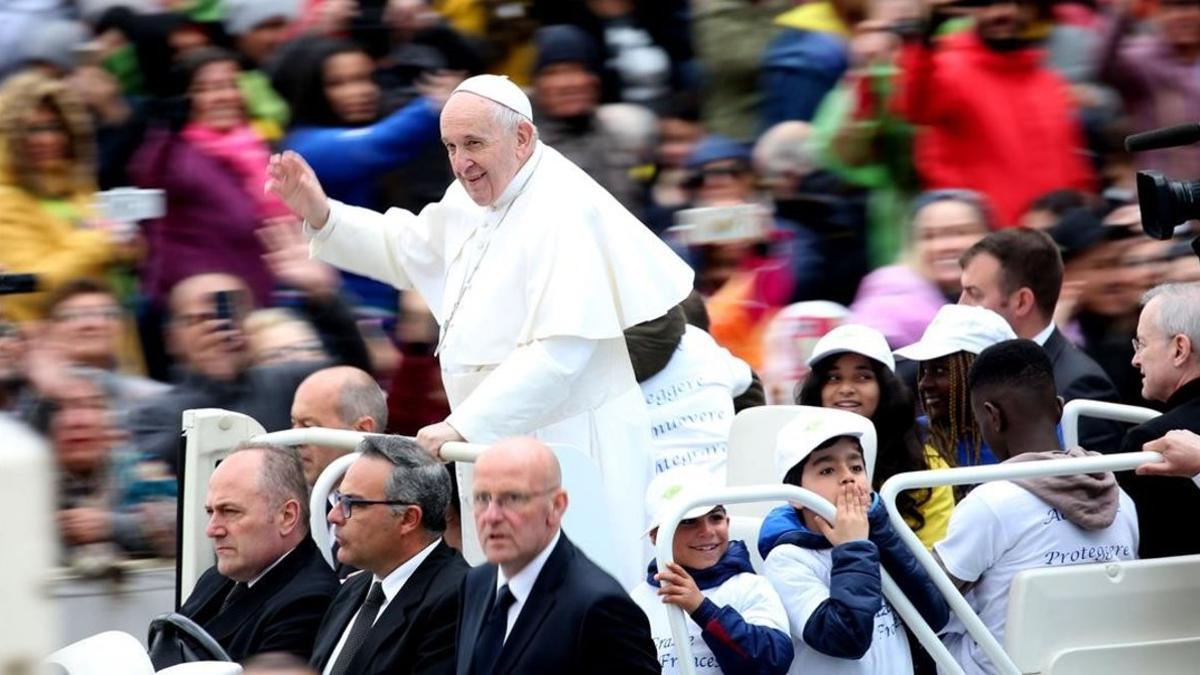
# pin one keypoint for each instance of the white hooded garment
(533, 294)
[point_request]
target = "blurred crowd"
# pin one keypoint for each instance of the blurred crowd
(816, 163)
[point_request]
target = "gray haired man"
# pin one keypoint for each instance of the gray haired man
(1166, 352)
(399, 613)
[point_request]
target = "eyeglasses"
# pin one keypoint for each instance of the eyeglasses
(507, 501)
(1140, 344)
(106, 313)
(347, 504)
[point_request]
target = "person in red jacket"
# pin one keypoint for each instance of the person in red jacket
(994, 118)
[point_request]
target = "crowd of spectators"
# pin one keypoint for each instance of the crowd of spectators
(873, 195)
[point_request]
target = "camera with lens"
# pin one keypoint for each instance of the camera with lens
(1166, 203)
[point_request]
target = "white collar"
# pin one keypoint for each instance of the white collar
(520, 180)
(521, 584)
(260, 575)
(395, 581)
(1045, 334)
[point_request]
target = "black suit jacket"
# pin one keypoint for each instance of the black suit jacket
(415, 632)
(1076, 375)
(576, 620)
(280, 612)
(1165, 505)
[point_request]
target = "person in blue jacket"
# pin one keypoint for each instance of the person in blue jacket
(829, 574)
(338, 126)
(737, 625)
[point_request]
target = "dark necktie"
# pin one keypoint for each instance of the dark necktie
(491, 637)
(358, 632)
(239, 589)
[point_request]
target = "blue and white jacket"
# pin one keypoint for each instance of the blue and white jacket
(741, 628)
(840, 621)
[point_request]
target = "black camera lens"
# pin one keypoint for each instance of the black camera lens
(1166, 203)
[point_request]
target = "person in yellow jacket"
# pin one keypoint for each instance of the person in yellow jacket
(47, 183)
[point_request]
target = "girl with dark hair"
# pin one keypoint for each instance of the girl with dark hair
(852, 369)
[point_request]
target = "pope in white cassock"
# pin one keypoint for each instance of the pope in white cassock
(533, 271)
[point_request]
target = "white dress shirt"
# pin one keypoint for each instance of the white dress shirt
(521, 585)
(1044, 335)
(392, 584)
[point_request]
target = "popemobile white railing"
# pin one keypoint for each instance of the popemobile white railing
(972, 475)
(1118, 412)
(807, 499)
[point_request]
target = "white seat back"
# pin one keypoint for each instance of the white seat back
(30, 624)
(746, 528)
(1168, 657)
(109, 652)
(752, 452)
(1132, 603)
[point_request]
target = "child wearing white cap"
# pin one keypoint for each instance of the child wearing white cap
(828, 575)
(852, 369)
(738, 624)
(945, 352)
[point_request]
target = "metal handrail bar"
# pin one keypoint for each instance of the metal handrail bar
(1118, 412)
(970, 475)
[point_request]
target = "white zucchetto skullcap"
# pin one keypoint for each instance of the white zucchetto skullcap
(500, 89)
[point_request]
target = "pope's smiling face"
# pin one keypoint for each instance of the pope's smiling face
(486, 149)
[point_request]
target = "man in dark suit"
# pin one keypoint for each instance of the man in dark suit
(1018, 274)
(539, 605)
(397, 615)
(1165, 351)
(270, 586)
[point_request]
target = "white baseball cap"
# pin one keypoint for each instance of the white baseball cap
(854, 338)
(500, 89)
(959, 328)
(813, 426)
(669, 487)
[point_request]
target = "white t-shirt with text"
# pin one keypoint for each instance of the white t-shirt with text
(1000, 529)
(691, 403)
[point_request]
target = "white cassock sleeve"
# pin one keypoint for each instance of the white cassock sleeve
(514, 398)
(399, 247)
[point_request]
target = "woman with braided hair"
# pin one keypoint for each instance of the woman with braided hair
(951, 428)
(944, 354)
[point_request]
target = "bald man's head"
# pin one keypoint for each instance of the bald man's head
(341, 397)
(519, 501)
